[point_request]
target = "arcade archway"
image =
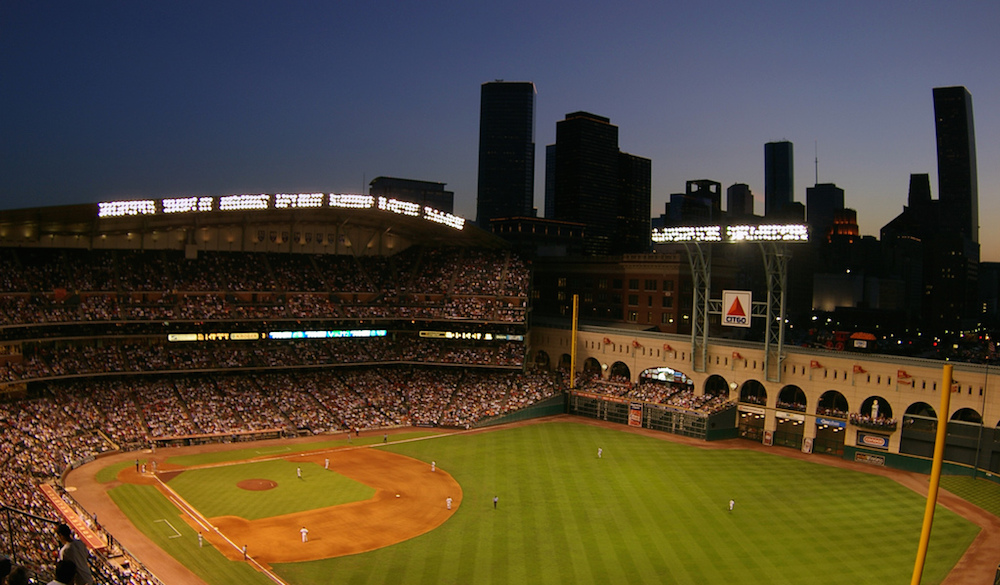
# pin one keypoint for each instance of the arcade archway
(619, 372)
(790, 421)
(831, 423)
(919, 430)
(753, 399)
(542, 361)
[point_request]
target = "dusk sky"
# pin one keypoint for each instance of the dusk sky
(114, 100)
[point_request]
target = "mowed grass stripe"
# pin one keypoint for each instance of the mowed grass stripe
(213, 491)
(650, 511)
(146, 507)
(276, 451)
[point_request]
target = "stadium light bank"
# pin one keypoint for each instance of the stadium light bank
(264, 202)
(791, 233)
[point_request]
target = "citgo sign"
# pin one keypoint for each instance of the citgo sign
(737, 307)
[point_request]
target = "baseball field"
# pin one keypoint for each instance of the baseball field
(647, 511)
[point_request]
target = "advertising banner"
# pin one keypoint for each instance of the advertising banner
(830, 422)
(737, 307)
(873, 440)
(635, 414)
(869, 458)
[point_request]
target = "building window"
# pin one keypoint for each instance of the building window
(649, 301)
(562, 282)
(650, 284)
(616, 299)
(633, 316)
(633, 300)
(633, 284)
(617, 284)
(668, 285)
(668, 302)
(588, 297)
(561, 295)
(602, 283)
(666, 318)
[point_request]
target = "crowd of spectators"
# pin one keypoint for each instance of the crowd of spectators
(42, 286)
(86, 367)
(676, 394)
(880, 423)
(73, 421)
(47, 360)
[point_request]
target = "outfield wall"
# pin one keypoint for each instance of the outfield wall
(658, 417)
(548, 407)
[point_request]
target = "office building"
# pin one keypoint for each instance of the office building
(779, 178)
(595, 184)
(506, 151)
(823, 201)
(958, 185)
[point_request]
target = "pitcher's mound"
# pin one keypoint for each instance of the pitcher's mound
(257, 485)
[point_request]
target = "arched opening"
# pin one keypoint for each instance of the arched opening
(792, 398)
(620, 373)
(965, 433)
(831, 423)
(753, 392)
(875, 414)
(967, 415)
(592, 369)
(919, 430)
(753, 398)
(716, 385)
(920, 417)
(564, 362)
(832, 403)
(542, 360)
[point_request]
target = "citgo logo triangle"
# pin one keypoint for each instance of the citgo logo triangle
(736, 310)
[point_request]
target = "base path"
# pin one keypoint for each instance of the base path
(353, 528)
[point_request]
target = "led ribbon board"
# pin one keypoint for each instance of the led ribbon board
(265, 202)
(792, 233)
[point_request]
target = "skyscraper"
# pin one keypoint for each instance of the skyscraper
(958, 184)
(739, 201)
(506, 151)
(596, 184)
(779, 177)
(823, 201)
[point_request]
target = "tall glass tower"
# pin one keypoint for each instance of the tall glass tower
(506, 151)
(958, 184)
(779, 177)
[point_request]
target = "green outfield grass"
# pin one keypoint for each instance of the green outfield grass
(649, 511)
(981, 492)
(254, 452)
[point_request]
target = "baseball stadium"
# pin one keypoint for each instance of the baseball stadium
(323, 388)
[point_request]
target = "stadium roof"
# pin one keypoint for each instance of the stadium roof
(85, 221)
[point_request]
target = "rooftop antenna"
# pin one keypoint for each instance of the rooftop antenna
(816, 148)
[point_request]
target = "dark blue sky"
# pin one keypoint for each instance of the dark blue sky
(108, 100)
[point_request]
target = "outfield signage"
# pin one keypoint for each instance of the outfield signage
(827, 422)
(635, 414)
(869, 458)
(751, 409)
(873, 440)
(736, 308)
(790, 416)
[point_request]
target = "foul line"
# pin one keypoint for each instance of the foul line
(195, 515)
(177, 534)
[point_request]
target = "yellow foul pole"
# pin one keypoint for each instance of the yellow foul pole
(572, 344)
(932, 490)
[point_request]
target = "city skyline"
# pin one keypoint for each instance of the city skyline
(134, 101)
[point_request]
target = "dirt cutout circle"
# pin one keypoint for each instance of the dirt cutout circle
(257, 485)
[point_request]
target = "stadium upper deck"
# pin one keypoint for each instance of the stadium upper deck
(314, 223)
